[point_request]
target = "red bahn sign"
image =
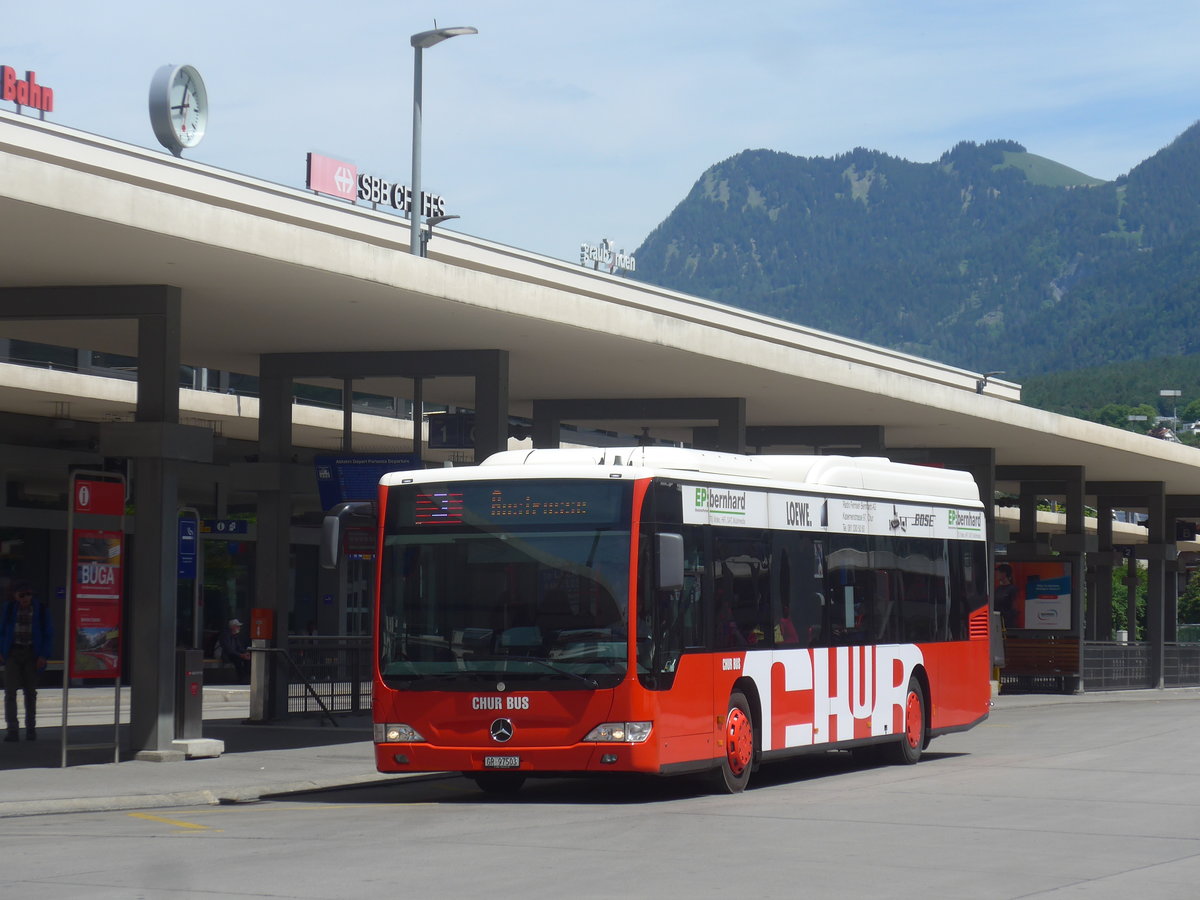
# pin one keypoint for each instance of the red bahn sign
(25, 91)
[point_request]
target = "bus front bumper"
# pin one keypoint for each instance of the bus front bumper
(589, 757)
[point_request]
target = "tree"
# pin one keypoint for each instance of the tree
(1191, 412)
(1120, 601)
(1189, 601)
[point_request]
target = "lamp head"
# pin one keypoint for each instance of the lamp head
(982, 381)
(424, 39)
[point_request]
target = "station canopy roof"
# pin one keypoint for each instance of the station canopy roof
(271, 269)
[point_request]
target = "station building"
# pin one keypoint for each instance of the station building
(215, 340)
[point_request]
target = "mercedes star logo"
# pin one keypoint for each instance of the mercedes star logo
(502, 730)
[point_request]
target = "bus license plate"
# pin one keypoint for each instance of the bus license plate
(502, 762)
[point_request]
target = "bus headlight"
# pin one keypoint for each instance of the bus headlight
(397, 733)
(620, 732)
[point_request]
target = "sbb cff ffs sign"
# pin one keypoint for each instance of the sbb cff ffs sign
(332, 177)
(398, 196)
(343, 180)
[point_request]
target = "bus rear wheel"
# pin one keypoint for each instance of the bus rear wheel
(738, 759)
(497, 782)
(908, 749)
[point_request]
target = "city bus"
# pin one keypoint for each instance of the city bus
(673, 611)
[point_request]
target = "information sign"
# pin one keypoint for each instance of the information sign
(188, 529)
(452, 431)
(343, 478)
(96, 580)
(224, 526)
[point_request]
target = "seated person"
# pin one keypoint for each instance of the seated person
(785, 631)
(234, 646)
(728, 633)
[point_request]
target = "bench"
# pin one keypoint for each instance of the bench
(1041, 663)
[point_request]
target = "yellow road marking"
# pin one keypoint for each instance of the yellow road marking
(176, 822)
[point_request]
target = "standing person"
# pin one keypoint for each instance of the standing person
(235, 647)
(26, 642)
(1008, 601)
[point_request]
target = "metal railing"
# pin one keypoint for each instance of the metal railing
(1181, 665)
(327, 675)
(1114, 666)
(1117, 666)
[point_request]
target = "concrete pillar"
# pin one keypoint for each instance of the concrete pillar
(347, 415)
(418, 419)
(1156, 583)
(155, 568)
(1131, 582)
(491, 403)
(272, 549)
(1099, 614)
(547, 428)
(731, 426)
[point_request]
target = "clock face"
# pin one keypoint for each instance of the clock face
(178, 107)
(189, 106)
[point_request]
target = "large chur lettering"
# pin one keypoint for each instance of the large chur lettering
(831, 694)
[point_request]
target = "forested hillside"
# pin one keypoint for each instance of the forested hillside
(991, 258)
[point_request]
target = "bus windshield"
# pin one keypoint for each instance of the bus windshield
(521, 582)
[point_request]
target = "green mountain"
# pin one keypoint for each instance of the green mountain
(1112, 393)
(991, 258)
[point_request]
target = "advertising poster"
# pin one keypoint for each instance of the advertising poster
(96, 560)
(1034, 595)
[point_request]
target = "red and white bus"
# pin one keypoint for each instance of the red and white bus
(671, 611)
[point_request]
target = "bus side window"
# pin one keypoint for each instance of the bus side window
(849, 580)
(743, 566)
(797, 602)
(968, 588)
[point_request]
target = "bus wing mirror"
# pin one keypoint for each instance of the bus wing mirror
(670, 562)
(361, 513)
(331, 541)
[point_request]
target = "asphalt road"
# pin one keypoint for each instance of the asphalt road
(1071, 799)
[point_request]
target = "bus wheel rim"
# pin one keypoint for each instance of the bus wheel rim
(912, 719)
(740, 741)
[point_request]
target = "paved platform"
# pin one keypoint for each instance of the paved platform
(259, 760)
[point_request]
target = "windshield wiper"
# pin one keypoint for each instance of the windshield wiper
(590, 682)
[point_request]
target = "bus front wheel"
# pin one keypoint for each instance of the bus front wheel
(738, 757)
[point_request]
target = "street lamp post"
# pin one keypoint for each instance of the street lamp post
(1173, 396)
(416, 201)
(427, 232)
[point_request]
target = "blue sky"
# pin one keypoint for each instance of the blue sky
(565, 122)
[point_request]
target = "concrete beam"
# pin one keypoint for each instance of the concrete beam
(489, 368)
(161, 440)
(381, 364)
(121, 301)
(868, 438)
(729, 412)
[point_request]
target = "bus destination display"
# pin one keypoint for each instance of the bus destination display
(517, 503)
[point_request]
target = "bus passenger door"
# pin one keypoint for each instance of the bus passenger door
(671, 658)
